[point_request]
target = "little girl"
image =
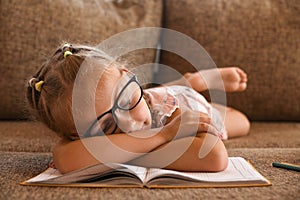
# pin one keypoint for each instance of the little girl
(158, 122)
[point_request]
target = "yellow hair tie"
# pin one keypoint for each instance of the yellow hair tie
(67, 53)
(38, 86)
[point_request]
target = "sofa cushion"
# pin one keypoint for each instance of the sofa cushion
(261, 36)
(19, 166)
(27, 136)
(31, 30)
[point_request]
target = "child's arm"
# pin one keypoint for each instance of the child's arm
(185, 155)
(117, 148)
(121, 148)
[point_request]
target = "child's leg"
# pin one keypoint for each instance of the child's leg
(230, 79)
(236, 123)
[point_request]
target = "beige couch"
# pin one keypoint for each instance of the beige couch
(261, 36)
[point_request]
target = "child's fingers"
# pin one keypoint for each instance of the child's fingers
(201, 121)
(203, 117)
(196, 116)
(207, 128)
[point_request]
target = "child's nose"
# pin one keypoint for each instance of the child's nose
(138, 114)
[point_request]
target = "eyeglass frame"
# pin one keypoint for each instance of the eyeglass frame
(116, 106)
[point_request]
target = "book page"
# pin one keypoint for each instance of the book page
(140, 172)
(99, 172)
(238, 173)
(48, 174)
(238, 169)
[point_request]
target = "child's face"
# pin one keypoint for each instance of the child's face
(134, 113)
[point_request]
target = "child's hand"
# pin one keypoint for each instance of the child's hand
(187, 124)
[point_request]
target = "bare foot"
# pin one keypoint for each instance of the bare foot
(230, 79)
(234, 79)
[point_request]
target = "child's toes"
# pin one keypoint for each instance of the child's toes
(242, 75)
(242, 86)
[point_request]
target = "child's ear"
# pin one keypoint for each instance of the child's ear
(123, 69)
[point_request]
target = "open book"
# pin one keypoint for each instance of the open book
(238, 173)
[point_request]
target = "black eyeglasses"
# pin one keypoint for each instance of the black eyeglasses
(128, 98)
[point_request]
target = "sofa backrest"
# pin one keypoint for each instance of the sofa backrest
(31, 30)
(261, 36)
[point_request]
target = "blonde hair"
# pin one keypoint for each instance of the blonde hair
(52, 104)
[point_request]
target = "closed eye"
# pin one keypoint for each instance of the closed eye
(108, 126)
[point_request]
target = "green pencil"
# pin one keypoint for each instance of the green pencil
(285, 165)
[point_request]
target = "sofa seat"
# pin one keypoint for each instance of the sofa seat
(29, 136)
(26, 147)
(14, 169)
